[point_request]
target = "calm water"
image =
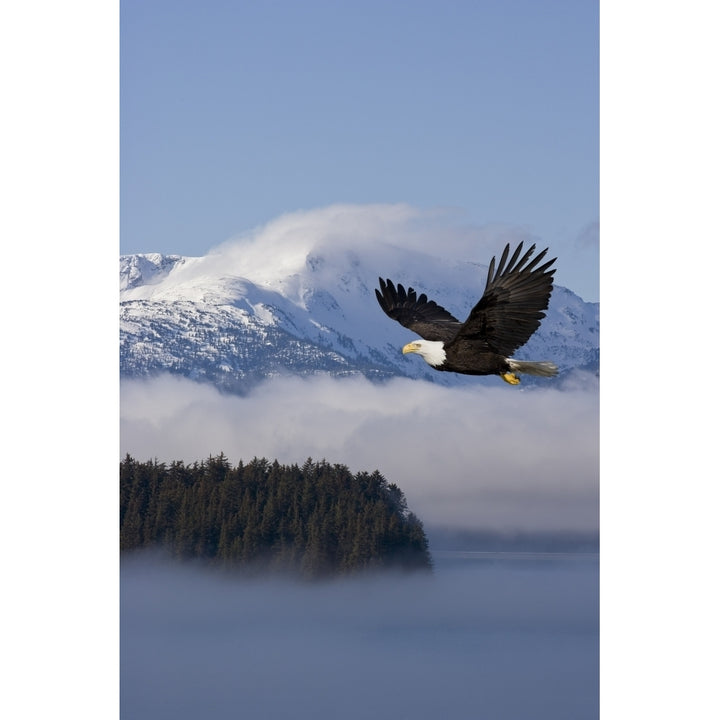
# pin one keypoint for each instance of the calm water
(489, 635)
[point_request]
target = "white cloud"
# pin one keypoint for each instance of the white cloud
(381, 237)
(492, 458)
(589, 236)
(280, 248)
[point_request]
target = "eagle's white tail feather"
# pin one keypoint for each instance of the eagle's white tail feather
(542, 369)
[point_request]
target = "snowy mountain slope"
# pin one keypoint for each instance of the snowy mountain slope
(137, 270)
(239, 315)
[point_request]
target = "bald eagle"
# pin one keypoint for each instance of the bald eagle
(504, 318)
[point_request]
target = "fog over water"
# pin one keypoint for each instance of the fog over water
(503, 459)
(500, 640)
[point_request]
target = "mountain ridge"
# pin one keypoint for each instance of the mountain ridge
(236, 317)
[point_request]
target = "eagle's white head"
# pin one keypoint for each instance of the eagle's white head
(431, 351)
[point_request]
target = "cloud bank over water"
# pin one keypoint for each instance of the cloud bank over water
(481, 641)
(501, 458)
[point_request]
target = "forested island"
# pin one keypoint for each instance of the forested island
(317, 520)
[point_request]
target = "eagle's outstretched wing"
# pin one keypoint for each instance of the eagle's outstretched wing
(511, 307)
(422, 316)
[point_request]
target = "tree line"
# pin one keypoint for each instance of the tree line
(316, 520)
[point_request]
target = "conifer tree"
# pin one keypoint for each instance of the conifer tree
(318, 520)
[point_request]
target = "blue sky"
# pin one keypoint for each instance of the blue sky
(233, 113)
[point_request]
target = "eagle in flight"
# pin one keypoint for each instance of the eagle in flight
(507, 314)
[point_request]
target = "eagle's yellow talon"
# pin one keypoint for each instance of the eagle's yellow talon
(511, 378)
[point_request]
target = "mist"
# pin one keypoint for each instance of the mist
(478, 641)
(503, 459)
(376, 228)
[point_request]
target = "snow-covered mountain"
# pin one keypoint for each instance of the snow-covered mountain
(249, 311)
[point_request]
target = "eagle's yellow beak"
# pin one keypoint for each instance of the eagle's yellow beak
(410, 347)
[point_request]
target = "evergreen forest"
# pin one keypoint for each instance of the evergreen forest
(317, 520)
